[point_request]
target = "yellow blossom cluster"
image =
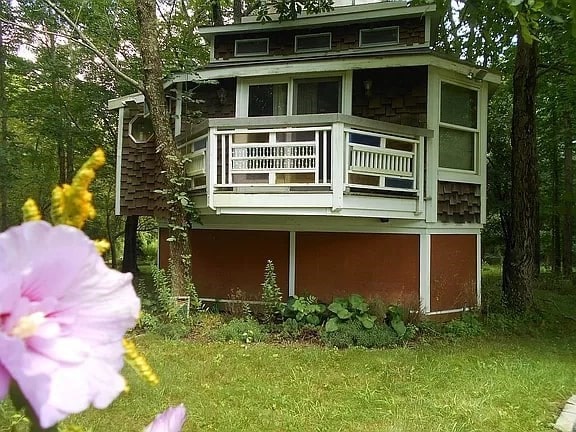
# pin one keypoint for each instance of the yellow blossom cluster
(138, 362)
(72, 203)
(30, 211)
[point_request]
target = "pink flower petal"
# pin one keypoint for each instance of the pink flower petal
(61, 333)
(170, 420)
(4, 382)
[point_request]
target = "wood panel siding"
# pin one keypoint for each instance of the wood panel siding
(397, 95)
(226, 260)
(452, 271)
(384, 266)
(458, 202)
(411, 31)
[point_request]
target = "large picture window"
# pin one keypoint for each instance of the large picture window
(294, 97)
(458, 135)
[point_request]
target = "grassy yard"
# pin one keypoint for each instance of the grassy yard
(510, 380)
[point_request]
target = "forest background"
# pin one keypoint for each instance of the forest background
(54, 90)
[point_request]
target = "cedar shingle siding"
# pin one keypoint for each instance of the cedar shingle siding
(343, 37)
(458, 202)
(398, 95)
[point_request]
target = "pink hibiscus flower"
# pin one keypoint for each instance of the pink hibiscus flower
(63, 314)
(170, 420)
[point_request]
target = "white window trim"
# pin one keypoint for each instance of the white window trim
(259, 53)
(242, 89)
(310, 36)
(362, 44)
(473, 176)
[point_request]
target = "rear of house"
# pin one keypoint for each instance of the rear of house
(338, 145)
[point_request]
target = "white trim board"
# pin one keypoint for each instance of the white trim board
(119, 142)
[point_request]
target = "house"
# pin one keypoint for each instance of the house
(340, 145)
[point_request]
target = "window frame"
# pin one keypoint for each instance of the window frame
(243, 90)
(260, 53)
(311, 36)
(475, 131)
(361, 44)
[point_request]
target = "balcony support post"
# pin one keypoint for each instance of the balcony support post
(419, 170)
(339, 170)
(211, 166)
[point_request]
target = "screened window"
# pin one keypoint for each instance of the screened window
(251, 47)
(458, 127)
(267, 100)
(317, 96)
(379, 36)
(314, 42)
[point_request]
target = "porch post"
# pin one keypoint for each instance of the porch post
(338, 168)
(292, 266)
(211, 166)
(425, 272)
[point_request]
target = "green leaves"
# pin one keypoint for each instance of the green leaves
(354, 307)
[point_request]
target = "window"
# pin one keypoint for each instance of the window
(313, 42)
(379, 36)
(251, 47)
(458, 135)
(267, 100)
(140, 129)
(295, 97)
(319, 96)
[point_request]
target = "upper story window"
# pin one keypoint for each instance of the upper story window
(379, 36)
(313, 42)
(294, 97)
(251, 47)
(458, 137)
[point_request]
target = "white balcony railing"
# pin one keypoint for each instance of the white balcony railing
(328, 152)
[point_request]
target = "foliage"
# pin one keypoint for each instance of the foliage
(162, 313)
(304, 310)
(239, 307)
(240, 330)
(352, 333)
(468, 325)
(271, 295)
(290, 9)
(350, 309)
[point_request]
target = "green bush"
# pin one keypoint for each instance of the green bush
(353, 308)
(353, 333)
(467, 325)
(240, 330)
(304, 310)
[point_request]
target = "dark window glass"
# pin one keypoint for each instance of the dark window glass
(459, 106)
(252, 47)
(319, 42)
(379, 36)
(317, 97)
(267, 100)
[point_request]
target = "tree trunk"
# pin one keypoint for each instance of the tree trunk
(238, 11)
(556, 255)
(217, 17)
(568, 202)
(518, 272)
(3, 136)
(130, 257)
(166, 147)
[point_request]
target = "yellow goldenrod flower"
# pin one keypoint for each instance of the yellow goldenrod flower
(102, 246)
(138, 362)
(30, 211)
(72, 204)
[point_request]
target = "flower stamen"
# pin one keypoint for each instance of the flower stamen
(27, 325)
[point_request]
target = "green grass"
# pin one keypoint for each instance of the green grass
(504, 381)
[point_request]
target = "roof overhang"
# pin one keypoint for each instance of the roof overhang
(399, 58)
(344, 14)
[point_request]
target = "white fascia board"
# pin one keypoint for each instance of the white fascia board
(342, 64)
(339, 15)
(120, 102)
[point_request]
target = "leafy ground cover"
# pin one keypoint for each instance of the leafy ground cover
(515, 377)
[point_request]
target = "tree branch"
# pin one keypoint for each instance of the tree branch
(88, 43)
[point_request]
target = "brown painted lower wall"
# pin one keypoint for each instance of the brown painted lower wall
(332, 265)
(453, 271)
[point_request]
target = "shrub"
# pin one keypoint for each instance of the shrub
(467, 325)
(271, 295)
(353, 333)
(304, 310)
(240, 330)
(354, 308)
(239, 307)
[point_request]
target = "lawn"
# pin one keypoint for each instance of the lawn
(503, 381)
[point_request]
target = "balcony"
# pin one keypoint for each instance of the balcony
(322, 164)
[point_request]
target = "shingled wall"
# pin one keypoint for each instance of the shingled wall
(398, 95)
(140, 175)
(343, 37)
(458, 202)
